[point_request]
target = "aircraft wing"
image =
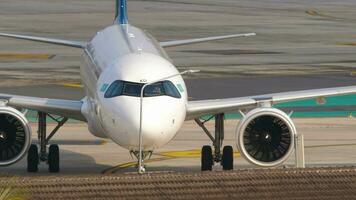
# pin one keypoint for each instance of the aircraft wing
(64, 108)
(75, 44)
(204, 107)
(206, 39)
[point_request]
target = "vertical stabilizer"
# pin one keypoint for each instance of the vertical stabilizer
(121, 12)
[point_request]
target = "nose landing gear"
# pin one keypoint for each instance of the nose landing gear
(145, 154)
(34, 157)
(208, 157)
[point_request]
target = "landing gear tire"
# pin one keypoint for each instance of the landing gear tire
(206, 158)
(227, 160)
(53, 158)
(32, 159)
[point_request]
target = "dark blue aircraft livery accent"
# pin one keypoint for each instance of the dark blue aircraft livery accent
(121, 12)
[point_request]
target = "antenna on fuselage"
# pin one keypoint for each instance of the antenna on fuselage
(121, 12)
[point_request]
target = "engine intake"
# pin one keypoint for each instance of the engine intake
(265, 137)
(15, 135)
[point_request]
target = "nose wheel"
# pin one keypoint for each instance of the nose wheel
(35, 156)
(145, 154)
(208, 157)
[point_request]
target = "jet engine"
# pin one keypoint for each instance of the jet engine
(15, 135)
(265, 136)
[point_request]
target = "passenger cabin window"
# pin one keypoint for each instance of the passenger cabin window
(124, 88)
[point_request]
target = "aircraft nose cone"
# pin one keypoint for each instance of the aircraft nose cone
(154, 130)
(160, 122)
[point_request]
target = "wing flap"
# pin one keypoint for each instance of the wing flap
(64, 108)
(75, 44)
(205, 107)
(206, 39)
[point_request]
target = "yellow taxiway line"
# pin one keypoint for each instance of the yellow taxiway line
(76, 85)
(116, 168)
(313, 12)
(195, 153)
(25, 56)
(347, 43)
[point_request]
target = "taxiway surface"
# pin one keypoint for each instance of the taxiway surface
(299, 45)
(293, 37)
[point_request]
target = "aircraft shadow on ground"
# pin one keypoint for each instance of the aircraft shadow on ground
(72, 163)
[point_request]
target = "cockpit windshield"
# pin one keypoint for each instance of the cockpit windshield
(124, 88)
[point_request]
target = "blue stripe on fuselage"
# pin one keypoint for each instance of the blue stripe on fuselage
(122, 15)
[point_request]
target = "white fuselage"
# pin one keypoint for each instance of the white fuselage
(126, 53)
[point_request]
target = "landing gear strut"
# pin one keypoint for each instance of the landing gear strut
(145, 155)
(34, 157)
(208, 157)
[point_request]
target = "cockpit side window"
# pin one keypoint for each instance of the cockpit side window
(171, 90)
(114, 90)
(124, 88)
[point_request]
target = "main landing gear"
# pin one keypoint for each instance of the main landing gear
(34, 157)
(208, 157)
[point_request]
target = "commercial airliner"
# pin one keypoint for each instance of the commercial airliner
(137, 98)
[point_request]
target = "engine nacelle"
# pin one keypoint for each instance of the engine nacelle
(265, 136)
(15, 135)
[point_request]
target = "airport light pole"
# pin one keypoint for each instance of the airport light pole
(141, 168)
